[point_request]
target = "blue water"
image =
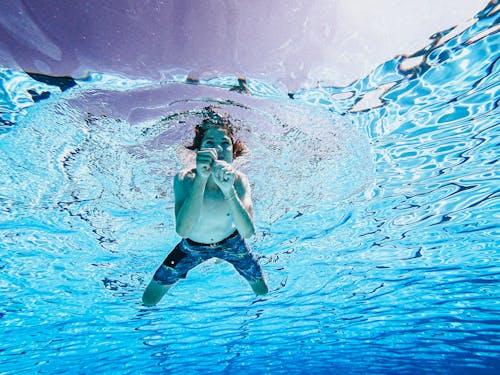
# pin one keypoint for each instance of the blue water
(377, 208)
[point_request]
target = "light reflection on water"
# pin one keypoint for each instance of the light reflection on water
(378, 223)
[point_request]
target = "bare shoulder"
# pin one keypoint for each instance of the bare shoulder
(184, 179)
(186, 175)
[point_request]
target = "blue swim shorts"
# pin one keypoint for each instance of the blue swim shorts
(188, 254)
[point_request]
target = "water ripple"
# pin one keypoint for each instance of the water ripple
(377, 207)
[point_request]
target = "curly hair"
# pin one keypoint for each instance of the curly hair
(212, 119)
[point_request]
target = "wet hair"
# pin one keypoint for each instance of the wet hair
(212, 119)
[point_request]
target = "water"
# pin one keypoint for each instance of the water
(376, 208)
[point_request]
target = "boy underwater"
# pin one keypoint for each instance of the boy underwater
(213, 211)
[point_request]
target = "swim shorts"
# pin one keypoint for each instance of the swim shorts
(188, 254)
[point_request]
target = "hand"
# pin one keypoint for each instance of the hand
(204, 161)
(224, 176)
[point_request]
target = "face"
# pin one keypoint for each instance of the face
(220, 141)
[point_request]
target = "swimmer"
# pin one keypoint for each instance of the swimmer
(213, 212)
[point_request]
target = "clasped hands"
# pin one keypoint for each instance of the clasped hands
(207, 163)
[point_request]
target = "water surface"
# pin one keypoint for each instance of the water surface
(376, 207)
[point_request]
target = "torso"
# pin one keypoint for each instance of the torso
(215, 222)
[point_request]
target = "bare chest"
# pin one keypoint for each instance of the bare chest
(214, 204)
(215, 211)
(215, 222)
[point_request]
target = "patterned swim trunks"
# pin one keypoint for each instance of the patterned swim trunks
(188, 254)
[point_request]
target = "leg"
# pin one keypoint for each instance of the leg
(175, 266)
(244, 260)
(259, 286)
(154, 292)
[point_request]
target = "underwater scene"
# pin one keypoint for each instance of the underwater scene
(376, 206)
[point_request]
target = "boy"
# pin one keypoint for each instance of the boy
(213, 211)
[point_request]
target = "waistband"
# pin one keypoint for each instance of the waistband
(194, 243)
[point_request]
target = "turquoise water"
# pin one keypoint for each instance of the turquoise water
(377, 208)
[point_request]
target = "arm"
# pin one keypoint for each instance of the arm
(236, 190)
(188, 202)
(240, 206)
(154, 293)
(189, 192)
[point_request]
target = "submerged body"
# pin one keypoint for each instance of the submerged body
(213, 211)
(205, 213)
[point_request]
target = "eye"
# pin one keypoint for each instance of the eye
(226, 144)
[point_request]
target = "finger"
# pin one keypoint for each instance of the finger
(209, 151)
(207, 158)
(205, 167)
(219, 165)
(230, 176)
(228, 169)
(204, 161)
(220, 173)
(215, 170)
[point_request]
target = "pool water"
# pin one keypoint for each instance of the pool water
(376, 204)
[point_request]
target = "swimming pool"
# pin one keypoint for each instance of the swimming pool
(376, 207)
